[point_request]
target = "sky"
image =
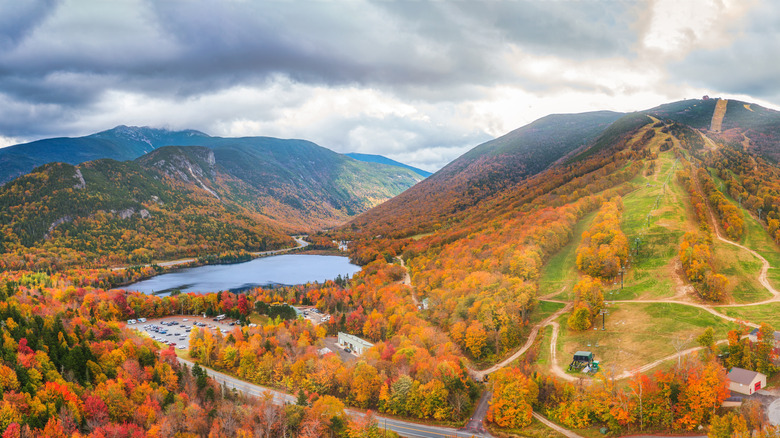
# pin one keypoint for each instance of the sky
(420, 82)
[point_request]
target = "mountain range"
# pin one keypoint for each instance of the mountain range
(557, 141)
(252, 191)
(264, 188)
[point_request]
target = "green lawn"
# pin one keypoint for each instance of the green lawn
(543, 359)
(769, 313)
(639, 333)
(657, 239)
(543, 310)
(741, 268)
(561, 269)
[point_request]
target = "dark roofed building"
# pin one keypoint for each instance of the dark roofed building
(753, 336)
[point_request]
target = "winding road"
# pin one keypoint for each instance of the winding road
(475, 426)
(401, 427)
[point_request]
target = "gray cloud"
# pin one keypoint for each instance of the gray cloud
(748, 65)
(185, 49)
(73, 67)
(19, 18)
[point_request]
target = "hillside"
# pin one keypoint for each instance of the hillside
(484, 171)
(305, 185)
(121, 143)
(371, 158)
(659, 229)
(107, 211)
(745, 126)
(237, 195)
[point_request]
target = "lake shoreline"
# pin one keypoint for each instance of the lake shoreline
(277, 270)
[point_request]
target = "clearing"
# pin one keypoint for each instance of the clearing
(637, 333)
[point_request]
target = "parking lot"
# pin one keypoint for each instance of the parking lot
(332, 343)
(312, 314)
(175, 330)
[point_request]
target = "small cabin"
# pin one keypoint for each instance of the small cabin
(582, 359)
(583, 356)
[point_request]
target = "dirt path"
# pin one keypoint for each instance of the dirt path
(705, 307)
(762, 275)
(408, 281)
(552, 294)
(479, 375)
(554, 367)
(555, 427)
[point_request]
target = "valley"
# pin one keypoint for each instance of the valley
(645, 239)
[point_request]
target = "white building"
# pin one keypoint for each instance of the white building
(745, 381)
(354, 343)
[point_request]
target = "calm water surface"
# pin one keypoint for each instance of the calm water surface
(282, 269)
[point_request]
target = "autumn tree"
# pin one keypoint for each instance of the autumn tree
(513, 397)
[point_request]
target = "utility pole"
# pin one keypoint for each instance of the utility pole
(603, 318)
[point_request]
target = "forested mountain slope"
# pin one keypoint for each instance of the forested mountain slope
(484, 171)
(745, 126)
(296, 182)
(240, 194)
(481, 266)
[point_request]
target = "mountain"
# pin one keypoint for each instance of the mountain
(121, 143)
(488, 169)
(106, 211)
(371, 158)
(658, 212)
(236, 194)
(296, 182)
(558, 140)
(743, 125)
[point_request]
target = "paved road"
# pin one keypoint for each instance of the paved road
(403, 428)
(476, 424)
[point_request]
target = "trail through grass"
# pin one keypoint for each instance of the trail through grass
(769, 313)
(561, 269)
(639, 333)
(654, 223)
(741, 267)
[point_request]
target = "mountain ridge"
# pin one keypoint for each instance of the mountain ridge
(373, 158)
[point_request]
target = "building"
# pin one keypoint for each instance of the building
(583, 356)
(745, 381)
(359, 346)
(753, 337)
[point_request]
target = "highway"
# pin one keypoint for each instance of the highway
(403, 428)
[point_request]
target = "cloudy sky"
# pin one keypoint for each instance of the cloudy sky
(420, 82)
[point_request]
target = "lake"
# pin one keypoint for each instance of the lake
(282, 269)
